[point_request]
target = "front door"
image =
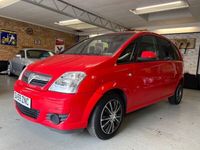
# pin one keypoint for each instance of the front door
(146, 72)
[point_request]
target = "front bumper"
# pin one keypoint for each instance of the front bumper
(47, 102)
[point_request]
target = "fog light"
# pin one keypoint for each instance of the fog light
(56, 118)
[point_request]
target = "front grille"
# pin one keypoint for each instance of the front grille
(35, 78)
(27, 111)
(38, 82)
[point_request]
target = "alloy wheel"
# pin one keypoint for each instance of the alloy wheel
(111, 116)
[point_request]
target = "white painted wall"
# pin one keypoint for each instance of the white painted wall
(191, 57)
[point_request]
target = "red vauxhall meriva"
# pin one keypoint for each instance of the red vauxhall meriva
(96, 82)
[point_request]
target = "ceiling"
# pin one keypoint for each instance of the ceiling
(115, 10)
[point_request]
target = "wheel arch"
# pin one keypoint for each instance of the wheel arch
(119, 91)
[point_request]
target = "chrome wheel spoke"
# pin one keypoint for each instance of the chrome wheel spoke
(118, 116)
(113, 126)
(106, 123)
(110, 127)
(118, 121)
(115, 106)
(105, 119)
(111, 107)
(108, 110)
(117, 109)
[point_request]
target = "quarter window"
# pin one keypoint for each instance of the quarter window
(128, 54)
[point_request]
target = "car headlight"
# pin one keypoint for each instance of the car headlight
(68, 82)
(21, 75)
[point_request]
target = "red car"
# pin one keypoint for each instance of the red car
(96, 82)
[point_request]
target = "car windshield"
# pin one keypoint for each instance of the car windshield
(38, 54)
(100, 45)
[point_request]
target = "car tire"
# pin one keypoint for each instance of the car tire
(107, 116)
(178, 95)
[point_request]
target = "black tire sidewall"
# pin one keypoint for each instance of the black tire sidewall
(181, 88)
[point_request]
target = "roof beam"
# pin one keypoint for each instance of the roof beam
(67, 9)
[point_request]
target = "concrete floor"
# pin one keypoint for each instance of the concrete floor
(157, 127)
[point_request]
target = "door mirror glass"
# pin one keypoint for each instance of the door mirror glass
(148, 55)
(18, 56)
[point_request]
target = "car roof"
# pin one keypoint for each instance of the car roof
(37, 49)
(138, 33)
(118, 33)
(133, 33)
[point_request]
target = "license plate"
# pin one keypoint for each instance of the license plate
(25, 101)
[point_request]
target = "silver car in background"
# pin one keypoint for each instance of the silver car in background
(26, 57)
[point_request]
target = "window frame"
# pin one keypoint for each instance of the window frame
(138, 40)
(157, 46)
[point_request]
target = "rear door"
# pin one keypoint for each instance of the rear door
(170, 70)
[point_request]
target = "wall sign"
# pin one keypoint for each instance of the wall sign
(59, 46)
(8, 38)
(188, 43)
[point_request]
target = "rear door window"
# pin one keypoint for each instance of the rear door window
(166, 51)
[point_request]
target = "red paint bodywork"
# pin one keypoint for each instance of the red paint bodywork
(142, 83)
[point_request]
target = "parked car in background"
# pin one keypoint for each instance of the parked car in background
(26, 57)
(96, 82)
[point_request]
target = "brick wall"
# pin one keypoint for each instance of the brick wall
(46, 37)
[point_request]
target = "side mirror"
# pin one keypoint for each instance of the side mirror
(18, 56)
(146, 55)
